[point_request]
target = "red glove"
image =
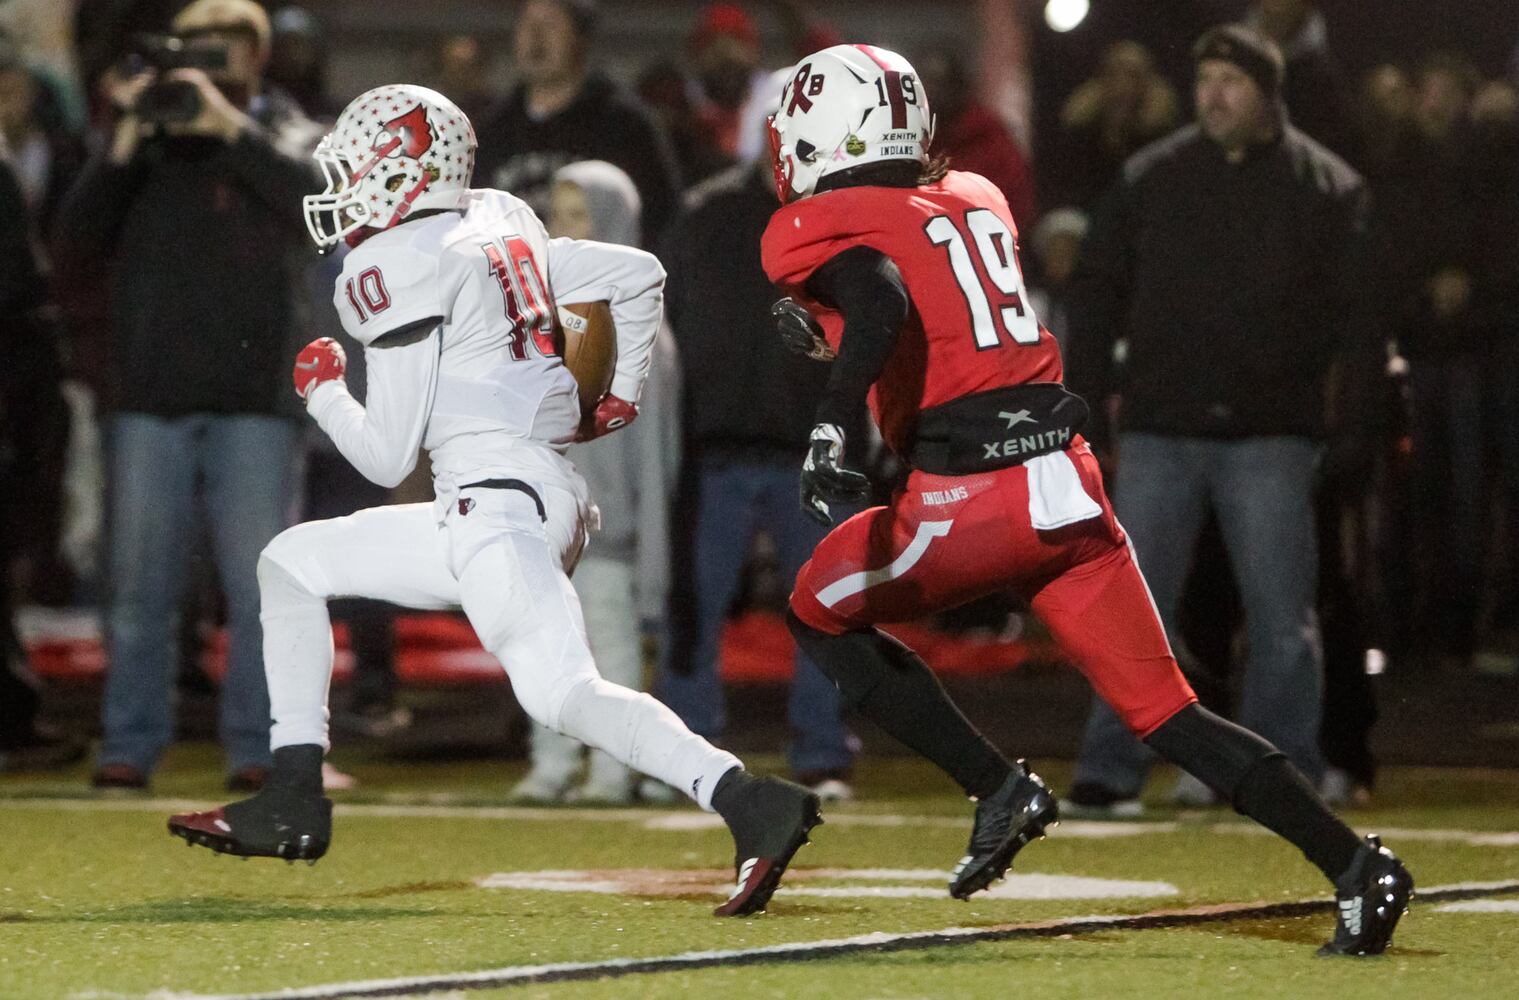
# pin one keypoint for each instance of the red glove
(611, 414)
(319, 361)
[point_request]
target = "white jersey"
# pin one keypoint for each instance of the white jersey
(456, 312)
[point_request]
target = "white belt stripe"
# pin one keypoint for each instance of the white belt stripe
(854, 583)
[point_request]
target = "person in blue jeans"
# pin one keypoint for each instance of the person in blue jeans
(1262, 491)
(1231, 258)
(243, 468)
(740, 493)
(200, 221)
(747, 405)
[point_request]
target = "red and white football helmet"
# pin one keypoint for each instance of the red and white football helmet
(844, 107)
(394, 150)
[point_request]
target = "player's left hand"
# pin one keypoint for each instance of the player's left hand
(218, 116)
(824, 478)
(611, 414)
(800, 331)
(319, 361)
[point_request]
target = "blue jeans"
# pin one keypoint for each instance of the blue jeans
(735, 499)
(1262, 490)
(245, 468)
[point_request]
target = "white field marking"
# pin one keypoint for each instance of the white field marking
(877, 941)
(684, 882)
(684, 822)
(1472, 838)
(1481, 906)
(690, 820)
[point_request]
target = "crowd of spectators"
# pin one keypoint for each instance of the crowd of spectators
(1398, 370)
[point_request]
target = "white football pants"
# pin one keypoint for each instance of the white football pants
(507, 567)
(606, 591)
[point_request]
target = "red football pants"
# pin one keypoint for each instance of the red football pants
(946, 540)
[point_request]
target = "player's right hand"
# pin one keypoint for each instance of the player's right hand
(319, 361)
(824, 478)
(800, 331)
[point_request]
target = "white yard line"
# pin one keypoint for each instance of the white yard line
(879, 941)
(1481, 906)
(863, 883)
(689, 820)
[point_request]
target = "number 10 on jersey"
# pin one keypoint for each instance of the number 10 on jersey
(994, 245)
(522, 292)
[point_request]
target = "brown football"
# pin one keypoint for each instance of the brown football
(590, 348)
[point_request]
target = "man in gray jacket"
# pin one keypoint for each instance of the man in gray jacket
(624, 575)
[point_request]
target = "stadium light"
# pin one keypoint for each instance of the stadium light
(1063, 15)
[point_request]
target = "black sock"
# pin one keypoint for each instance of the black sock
(298, 768)
(1277, 795)
(728, 786)
(891, 686)
(1253, 776)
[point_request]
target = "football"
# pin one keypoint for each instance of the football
(590, 348)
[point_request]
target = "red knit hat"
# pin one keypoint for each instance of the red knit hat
(721, 20)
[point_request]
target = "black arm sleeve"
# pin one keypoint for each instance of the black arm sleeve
(865, 286)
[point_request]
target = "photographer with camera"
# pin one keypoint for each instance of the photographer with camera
(195, 201)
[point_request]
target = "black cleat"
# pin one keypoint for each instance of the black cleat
(1371, 896)
(770, 819)
(1016, 813)
(275, 823)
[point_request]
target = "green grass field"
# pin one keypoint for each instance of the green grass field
(96, 900)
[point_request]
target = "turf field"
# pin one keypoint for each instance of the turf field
(432, 877)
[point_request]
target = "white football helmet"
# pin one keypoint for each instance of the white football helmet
(394, 150)
(844, 107)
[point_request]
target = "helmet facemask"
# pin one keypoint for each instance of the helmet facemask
(382, 161)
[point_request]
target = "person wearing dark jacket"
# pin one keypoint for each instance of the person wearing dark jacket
(1444, 250)
(200, 219)
(561, 113)
(33, 431)
(1229, 257)
(748, 404)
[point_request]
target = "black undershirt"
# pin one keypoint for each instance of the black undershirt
(866, 288)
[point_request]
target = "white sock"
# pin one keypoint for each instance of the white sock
(646, 736)
(297, 657)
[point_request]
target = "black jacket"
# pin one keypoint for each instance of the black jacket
(33, 416)
(742, 388)
(1236, 287)
(520, 154)
(203, 237)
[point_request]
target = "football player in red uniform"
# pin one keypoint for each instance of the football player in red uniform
(911, 273)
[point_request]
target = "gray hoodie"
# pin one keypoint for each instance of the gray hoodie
(632, 472)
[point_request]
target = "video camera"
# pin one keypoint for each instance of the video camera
(173, 100)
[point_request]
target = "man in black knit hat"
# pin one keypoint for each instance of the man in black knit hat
(1230, 257)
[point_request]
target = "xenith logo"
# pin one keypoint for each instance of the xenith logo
(1013, 447)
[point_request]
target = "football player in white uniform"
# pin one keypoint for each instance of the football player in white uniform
(452, 293)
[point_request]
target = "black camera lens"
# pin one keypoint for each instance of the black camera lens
(168, 101)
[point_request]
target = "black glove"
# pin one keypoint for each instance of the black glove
(824, 479)
(800, 331)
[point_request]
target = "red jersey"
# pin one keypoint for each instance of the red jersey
(971, 328)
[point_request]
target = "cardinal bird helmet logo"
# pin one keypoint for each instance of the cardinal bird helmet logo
(406, 135)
